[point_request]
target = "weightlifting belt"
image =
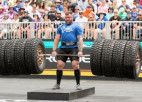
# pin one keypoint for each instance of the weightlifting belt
(68, 43)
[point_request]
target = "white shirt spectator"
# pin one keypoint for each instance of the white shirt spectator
(32, 13)
(28, 8)
(82, 5)
(81, 21)
(128, 2)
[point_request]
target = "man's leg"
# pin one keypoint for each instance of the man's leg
(75, 65)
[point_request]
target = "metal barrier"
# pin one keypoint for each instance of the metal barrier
(131, 30)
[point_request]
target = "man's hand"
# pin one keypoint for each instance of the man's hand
(80, 54)
(54, 53)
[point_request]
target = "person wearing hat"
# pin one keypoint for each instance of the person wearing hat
(122, 13)
(1, 12)
(115, 27)
(11, 12)
(88, 12)
(71, 6)
(138, 26)
(93, 6)
(103, 7)
(101, 27)
(18, 6)
(27, 6)
(58, 20)
(25, 27)
(134, 12)
(110, 13)
(82, 20)
(76, 13)
(5, 27)
(58, 5)
(128, 27)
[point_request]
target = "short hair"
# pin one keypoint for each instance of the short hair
(68, 12)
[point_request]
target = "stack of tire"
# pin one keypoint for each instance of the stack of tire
(19, 57)
(116, 58)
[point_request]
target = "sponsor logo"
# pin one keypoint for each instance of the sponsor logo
(81, 59)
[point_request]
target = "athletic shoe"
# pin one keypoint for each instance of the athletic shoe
(56, 86)
(78, 87)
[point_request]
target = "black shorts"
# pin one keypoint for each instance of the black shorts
(68, 51)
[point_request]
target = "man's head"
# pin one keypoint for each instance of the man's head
(81, 14)
(103, 2)
(26, 2)
(18, 2)
(10, 9)
(90, 2)
(68, 17)
(26, 13)
(115, 12)
(76, 9)
(5, 16)
(124, 2)
(88, 8)
(110, 10)
(34, 6)
(69, 2)
(58, 3)
(128, 14)
(134, 9)
(58, 14)
(121, 10)
(53, 7)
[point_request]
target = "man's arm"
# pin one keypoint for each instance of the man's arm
(80, 39)
(56, 41)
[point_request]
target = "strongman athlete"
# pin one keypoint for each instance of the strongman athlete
(70, 35)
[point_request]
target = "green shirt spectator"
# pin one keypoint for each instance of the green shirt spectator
(122, 13)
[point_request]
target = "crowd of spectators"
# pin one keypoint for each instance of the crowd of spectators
(83, 11)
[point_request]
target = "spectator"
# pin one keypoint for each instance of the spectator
(34, 11)
(101, 27)
(122, 13)
(6, 3)
(115, 26)
(18, 6)
(83, 4)
(22, 3)
(124, 5)
(81, 20)
(34, 2)
(52, 13)
(21, 12)
(93, 6)
(138, 6)
(15, 26)
(76, 13)
(134, 12)
(11, 13)
(114, 4)
(46, 29)
(1, 12)
(71, 6)
(90, 27)
(5, 27)
(41, 8)
(47, 3)
(36, 24)
(128, 27)
(64, 11)
(88, 12)
(58, 20)
(110, 13)
(27, 6)
(138, 26)
(103, 7)
(97, 2)
(58, 5)
(25, 27)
